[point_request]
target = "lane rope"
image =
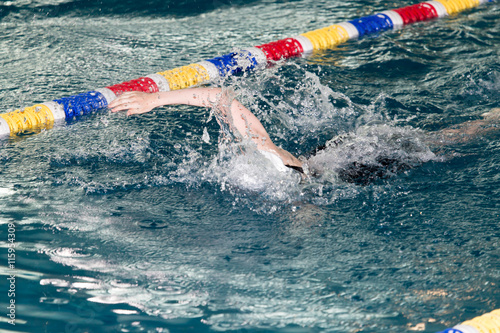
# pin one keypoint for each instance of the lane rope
(487, 323)
(43, 116)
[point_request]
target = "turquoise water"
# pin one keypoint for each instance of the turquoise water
(145, 224)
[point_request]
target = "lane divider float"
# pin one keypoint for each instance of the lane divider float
(44, 115)
(487, 323)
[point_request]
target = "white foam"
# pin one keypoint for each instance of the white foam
(5, 191)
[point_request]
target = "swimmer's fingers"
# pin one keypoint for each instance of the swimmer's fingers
(135, 102)
(120, 103)
(120, 97)
(119, 107)
(137, 110)
(122, 100)
(130, 107)
(493, 114)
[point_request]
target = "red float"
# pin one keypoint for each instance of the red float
(144, 84)
(416, 13)
(282, 49)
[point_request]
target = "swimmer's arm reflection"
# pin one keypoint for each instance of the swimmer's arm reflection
(243, 122)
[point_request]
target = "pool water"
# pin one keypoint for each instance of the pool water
(149, 224)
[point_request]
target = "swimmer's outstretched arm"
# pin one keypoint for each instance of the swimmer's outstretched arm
(470, 129)
(243, 121)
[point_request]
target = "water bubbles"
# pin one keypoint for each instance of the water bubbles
(53, 300)
(67, 253)
(152, 224)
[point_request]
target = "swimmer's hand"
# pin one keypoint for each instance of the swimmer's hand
(135, 102)
(492, 115)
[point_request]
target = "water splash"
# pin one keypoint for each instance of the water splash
(371, 152)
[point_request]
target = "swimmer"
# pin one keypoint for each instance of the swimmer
(245, 125)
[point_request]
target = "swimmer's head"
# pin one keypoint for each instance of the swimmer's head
(370, 154)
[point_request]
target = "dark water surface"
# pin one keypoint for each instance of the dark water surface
(143, 224)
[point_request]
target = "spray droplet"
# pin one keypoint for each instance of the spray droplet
(205, 137)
